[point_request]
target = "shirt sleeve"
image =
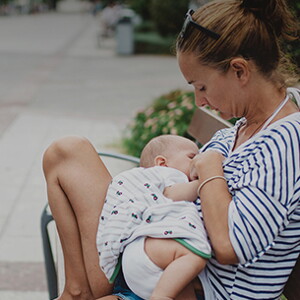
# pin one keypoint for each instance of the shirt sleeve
(221, 141)
(263, 189)
(171, 176)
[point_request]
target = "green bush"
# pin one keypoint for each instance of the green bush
(141, 7)
(152, 43)
(145, 26)
(169, 114)
(293, 48)
(162, 21)
(168, 15)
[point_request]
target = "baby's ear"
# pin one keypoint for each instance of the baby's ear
(160, 160)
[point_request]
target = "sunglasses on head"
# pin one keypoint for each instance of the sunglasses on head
(188, 22)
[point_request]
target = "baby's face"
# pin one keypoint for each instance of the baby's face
(182, 154)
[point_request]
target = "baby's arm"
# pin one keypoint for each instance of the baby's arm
(186, 191)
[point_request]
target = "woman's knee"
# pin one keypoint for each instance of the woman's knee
(63, 149)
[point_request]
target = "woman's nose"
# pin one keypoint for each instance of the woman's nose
(200, 100)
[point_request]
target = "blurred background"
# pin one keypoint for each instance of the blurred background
(101, 69)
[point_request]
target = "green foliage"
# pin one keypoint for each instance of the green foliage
(141, 7)
(168, 15)
(295, 6)
(145, 26)
(169, 114)
(152, 43)
(162, 21)
(293, 48)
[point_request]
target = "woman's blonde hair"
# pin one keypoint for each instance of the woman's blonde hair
(252, 29)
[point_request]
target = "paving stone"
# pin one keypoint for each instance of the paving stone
(22, 276)
(14, 295)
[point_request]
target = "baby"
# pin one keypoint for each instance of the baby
(150, 217)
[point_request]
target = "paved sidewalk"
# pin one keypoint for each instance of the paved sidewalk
(56, 81)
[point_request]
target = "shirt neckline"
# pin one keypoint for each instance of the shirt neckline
(243, 120)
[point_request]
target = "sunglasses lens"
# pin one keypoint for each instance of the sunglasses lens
(185, 25)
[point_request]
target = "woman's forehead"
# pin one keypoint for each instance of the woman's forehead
(190, 66)
(186, 58)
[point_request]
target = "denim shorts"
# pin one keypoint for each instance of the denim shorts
(121, 289)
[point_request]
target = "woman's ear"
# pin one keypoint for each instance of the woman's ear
(160, 160)
(241, 69)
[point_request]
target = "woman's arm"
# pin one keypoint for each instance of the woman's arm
(215, 200)
(186, 191)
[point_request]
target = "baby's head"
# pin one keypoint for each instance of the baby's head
(169, 151)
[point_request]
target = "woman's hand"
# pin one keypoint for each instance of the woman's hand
(215, 200)
(206, 164)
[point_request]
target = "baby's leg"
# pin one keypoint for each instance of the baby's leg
(180, 267)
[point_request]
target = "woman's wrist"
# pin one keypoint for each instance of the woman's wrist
(209, 179)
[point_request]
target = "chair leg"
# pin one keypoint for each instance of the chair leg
(46, 218)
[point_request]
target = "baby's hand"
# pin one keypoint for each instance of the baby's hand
(193, 176)
(193, 172)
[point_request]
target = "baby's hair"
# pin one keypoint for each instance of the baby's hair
(160, 145)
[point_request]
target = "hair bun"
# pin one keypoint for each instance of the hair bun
(275, 14)
(253, 4)
(257, 7)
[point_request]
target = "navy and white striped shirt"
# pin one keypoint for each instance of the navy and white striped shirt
(263, 177)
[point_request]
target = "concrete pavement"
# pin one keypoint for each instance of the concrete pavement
(56, 81)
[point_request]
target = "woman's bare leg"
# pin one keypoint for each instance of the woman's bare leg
(77, 182)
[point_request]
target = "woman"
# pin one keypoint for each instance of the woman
(229, 51)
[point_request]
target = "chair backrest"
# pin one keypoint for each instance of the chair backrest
(204, 124)
(292, 287)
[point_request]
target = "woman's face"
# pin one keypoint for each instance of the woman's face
(213, 88)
